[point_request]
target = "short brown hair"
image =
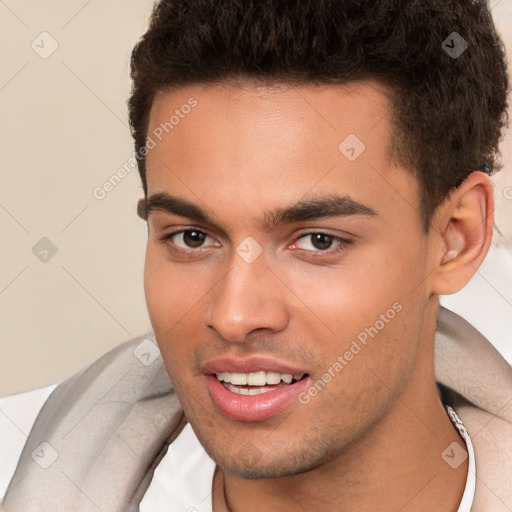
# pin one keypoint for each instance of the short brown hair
(448, 108)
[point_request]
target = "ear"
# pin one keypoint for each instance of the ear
(462, 227)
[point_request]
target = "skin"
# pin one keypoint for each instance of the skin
(372, 438)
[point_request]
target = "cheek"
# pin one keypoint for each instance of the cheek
(170, 293)
(368, 309)
(175, 301)
(157, 283)
(346, 298)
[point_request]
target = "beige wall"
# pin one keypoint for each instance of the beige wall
(64, 132)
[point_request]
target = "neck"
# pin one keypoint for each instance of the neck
(397, 465)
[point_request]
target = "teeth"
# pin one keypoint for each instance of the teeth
(256, 379)
(239, 379)
(247, 391)
(286, 377)
(260, 378)
(273, 378)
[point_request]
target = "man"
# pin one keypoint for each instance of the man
(315, 176)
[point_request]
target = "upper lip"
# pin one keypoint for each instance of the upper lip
(249, 365)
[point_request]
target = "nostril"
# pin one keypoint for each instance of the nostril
(258, 329)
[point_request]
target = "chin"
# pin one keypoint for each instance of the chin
(249, 463)
(259, 473)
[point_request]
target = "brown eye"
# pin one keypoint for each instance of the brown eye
(193, 238)
(318, 241)
(321, 241)
(185, 239)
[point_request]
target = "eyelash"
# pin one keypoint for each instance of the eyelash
(343, 243)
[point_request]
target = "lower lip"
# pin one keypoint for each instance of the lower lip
(254, 407)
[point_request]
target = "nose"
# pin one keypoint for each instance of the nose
(249, 297)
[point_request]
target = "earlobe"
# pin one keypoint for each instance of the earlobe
(464, 229)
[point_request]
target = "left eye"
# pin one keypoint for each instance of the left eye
(319, 241)
(190, 238)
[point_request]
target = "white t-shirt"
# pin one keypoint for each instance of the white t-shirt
(182, 482)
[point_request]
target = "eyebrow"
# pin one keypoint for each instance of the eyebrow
(318, 207)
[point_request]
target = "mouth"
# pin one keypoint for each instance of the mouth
(254, 390)
(257, 383)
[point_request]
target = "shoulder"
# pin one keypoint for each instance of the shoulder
(17, 415)
(93, 422)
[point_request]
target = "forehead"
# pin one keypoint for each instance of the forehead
(260, 146)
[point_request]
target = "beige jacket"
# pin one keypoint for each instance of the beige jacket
(101, 433)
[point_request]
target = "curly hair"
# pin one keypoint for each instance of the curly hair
(448, 111)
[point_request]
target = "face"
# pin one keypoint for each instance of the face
(291, 249)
